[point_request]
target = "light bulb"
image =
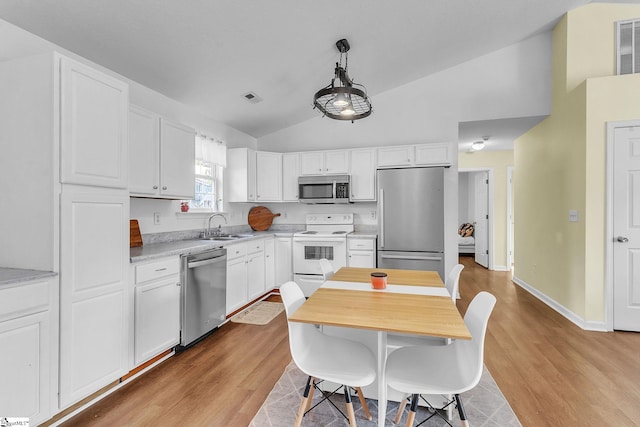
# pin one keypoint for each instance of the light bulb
(477, 145)
(348, 110)
(340, 100)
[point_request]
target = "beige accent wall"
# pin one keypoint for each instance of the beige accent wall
(499, 161)
(560, 163)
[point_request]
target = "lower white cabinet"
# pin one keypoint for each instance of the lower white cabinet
(27, 349)
(361, 252)
(284, 264)
(246, 272)
(269, 264)
(157, 308)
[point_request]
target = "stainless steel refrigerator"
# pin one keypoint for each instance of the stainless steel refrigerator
(411, 219)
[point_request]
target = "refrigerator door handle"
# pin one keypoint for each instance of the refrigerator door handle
(381, 216)
(414, 257)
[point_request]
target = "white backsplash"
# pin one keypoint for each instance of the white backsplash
(236, 214)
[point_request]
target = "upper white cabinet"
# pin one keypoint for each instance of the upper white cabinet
(240, 177)
(436, 154)
(290, 174)
(363, 175)
(177, 160)
(268, 177)
(396, 156)
(93, 127)
(324, 162)
(162, 156)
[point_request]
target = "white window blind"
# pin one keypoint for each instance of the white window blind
(628, 39)
(211, 159)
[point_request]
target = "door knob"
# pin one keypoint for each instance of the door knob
(622, 239)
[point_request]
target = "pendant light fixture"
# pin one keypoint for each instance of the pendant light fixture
(342, 99)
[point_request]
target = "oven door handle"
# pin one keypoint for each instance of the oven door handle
(335, 196)
(314, 242)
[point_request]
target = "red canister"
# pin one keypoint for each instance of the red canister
(379, 280)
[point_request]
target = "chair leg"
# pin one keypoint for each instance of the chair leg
(463, 415)
(403, 404)
(412, 410)
(350, 413)
(363, 402)
(310, 399)
(303, 403)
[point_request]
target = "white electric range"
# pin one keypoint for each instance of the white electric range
(325, 237)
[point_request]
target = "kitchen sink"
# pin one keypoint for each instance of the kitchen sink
(239, 236)
(219, 238)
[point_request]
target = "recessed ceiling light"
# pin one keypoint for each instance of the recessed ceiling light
(252, 97)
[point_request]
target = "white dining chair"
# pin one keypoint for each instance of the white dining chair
(323, 357)
(442, 370)
(327, 268)
(452, 284)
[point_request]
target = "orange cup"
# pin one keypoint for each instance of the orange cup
(379, 280)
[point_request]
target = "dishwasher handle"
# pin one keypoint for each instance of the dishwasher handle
(194, 264)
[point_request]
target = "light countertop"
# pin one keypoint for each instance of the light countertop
(17, 275)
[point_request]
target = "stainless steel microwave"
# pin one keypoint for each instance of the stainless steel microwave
(324, 189)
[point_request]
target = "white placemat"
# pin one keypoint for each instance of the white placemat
(398, 289)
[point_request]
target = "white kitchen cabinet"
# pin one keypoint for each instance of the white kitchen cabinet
(93, 131)
(269, 264)
(255, 275)
(236, 277)
(324, 162)
(177, 160)
(433, 155)
(144, 152)
(157, 308)
(240, 179)
(94, 292)
(436, 154)
(284, 260)
(58, 114)
(268, 177)
(162, 156)
(26, 366)
(361, 252)
(363, 174)
(396, 156)
(290, 174)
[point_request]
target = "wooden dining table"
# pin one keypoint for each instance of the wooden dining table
(413, 302)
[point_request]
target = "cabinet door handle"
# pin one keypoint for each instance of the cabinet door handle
(155, 187)
(164, 187)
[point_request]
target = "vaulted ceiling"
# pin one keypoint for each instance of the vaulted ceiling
(208, 53)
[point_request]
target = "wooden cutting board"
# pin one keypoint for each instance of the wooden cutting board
(260, 218)
(135, 238)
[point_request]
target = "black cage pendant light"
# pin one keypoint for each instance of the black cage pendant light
(343, 99)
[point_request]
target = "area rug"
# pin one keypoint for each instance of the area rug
(485, 406)
(260, 313)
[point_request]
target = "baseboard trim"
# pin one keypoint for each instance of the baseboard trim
(587, 325)
(500, 268)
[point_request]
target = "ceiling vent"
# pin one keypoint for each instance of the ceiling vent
(252, 97)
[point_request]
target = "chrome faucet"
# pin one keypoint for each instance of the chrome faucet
(219, 230)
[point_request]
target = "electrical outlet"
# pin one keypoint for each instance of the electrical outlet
(372, 214)
(156, 218)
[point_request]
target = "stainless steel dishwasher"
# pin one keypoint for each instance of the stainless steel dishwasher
(204, 293)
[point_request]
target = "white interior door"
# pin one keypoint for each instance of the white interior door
(481, 215)
(626, 229)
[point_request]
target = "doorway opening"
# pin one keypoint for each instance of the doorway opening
(475, 207)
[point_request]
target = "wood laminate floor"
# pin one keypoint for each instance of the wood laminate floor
(551, 372)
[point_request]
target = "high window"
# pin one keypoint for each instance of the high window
(211, 159)
(628, 38)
